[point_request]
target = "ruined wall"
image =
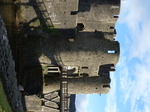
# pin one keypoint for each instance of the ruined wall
(7, 71)
(83, 85)
(89, 50)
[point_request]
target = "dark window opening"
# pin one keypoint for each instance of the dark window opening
(84, 67)
(111, 27)
(116, 16)
(84, 75)
(115, 31)
(106, 86)
(80, 26)
(74, 13)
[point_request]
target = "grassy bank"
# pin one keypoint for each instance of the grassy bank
(4, 106)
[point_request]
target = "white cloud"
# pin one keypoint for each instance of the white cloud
(140, 47)
(81, 103)
(111, 105)
(147, 108)
(135, 13)
(135, 85)
(141, 91)
(126, 83)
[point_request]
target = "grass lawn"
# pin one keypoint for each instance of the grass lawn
(4, 106)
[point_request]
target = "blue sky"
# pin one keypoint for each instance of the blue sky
(130, 85)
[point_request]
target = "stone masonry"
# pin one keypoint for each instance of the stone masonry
(7, 72)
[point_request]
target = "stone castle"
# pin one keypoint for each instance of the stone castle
(64, 47)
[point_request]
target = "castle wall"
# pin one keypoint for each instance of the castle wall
(91, 46)
(83, 85)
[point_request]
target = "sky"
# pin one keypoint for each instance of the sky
(130, 84)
